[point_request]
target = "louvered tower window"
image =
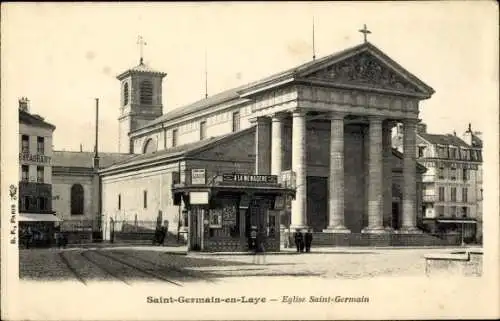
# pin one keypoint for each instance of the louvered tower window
(146, 92)
(125, 94)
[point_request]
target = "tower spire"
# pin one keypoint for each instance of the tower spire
(314, 48)
(141, 43)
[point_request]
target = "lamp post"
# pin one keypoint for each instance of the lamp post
(463, 243)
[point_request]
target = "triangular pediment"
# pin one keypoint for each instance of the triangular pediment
(368, 68)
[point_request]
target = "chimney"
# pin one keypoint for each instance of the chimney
(421, 128)
(24, 104)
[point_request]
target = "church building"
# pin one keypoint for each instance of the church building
(322, 129)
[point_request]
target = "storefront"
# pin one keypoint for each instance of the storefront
(38, 229)
(222, 213)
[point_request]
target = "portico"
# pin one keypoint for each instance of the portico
(365, 92)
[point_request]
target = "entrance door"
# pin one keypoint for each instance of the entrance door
(256, 216)
(317, 202)
(395, 215)
(195, 229)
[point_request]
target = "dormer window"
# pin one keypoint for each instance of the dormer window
(453, 153)
(125, 94)
(146, 95)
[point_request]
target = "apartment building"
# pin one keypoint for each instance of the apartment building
(452, 185)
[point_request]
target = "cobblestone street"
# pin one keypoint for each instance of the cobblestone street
(150, 264)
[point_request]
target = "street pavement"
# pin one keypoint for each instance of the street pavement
(173, 266)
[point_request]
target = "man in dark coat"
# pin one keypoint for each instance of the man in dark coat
(299, 240)
(163, 235)
(308, 240)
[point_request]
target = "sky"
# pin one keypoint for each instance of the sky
(63, 56)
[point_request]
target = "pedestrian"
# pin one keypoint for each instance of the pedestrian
(260, 249)
(286, 239)
(302, 242)
(64, 239)
(298, 239)
(163, 235)
(308, 240)
(57, 239)
(156, 236)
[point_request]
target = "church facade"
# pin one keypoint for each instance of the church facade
(324, 127)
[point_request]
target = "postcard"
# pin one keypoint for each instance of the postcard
(239, 160)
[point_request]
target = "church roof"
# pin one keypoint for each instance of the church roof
(447, 139)
(237, 94)
(85, 159)
(174, 152)
(34, 120)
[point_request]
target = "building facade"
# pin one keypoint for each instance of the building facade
(453, 181)
(327, 123)
(76, 189)
(35, 173)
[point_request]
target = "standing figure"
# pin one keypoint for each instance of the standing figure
(302, 242)
(299, 240)
(163, 235)
(156, 236)
(252, 241)
(308, 240)
(260, 249)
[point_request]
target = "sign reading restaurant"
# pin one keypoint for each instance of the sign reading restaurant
(246, 178)
(27, 157)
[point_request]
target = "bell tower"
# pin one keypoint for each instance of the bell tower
(141, 100)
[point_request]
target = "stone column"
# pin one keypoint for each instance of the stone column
(277, 144)
(409, 221)
(375, 178)
(336, 180)
(387, 155)
(263, 146)
(299, 166)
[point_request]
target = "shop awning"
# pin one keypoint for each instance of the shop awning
(457, 221)
(35, 217)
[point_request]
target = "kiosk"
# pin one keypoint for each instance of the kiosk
(223, 211)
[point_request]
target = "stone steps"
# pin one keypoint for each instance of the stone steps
(386, 239)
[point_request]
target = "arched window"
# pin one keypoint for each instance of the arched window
(77, 199)
(149, 146)
(125, 94)
(146, 92)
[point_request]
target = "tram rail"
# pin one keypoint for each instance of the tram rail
(142, 270)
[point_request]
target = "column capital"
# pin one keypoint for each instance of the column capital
(279, 116)
(334, 115)
(375, 119)
(298, 112)
(259, 119)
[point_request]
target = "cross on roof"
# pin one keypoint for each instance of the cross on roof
(365, 32)
(141, 43)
